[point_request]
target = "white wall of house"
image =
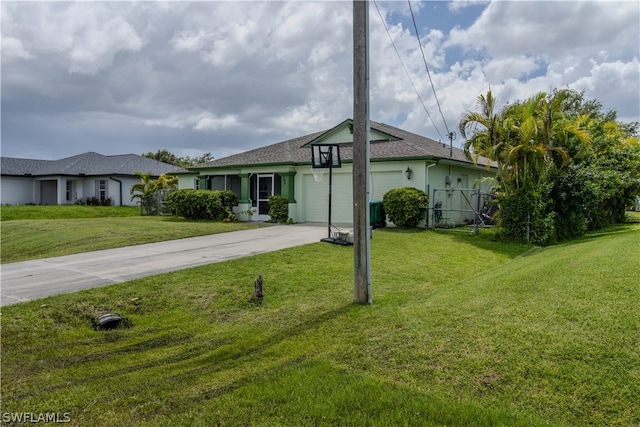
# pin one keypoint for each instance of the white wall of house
(51, 190)
(122, 188)
(17, 190)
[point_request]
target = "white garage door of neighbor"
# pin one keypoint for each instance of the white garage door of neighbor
(316, 198)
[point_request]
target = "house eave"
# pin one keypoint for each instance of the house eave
(245, 166)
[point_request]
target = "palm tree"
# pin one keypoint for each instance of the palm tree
(486, 140)
(145, 190)
(522, 138)
(541, 131)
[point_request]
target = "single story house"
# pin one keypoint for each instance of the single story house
(397, 159)
(65, 181)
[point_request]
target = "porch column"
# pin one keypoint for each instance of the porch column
(244, 188)
(61, 189)
(287, 185)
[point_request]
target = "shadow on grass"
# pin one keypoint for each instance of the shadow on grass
(488, 242)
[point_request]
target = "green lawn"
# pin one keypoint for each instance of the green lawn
(11, 213)
(32, 232)
(463, 331)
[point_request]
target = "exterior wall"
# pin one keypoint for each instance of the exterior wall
(127, 183)
(456, 194)
(187, 180)
(118, 188)
(16, 190)
(425, 175)
(241, 180)
(310, 201)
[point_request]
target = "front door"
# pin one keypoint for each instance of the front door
(264, 190)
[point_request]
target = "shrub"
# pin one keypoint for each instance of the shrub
(200, 204)
(278, 209)
(95, 201)
(527, 213)
(228, 198)
(405, 207)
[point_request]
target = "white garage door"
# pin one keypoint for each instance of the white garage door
(316, 198)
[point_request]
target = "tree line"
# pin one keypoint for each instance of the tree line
(565, 166)
(166, 156)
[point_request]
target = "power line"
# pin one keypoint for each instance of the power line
(449, 134)
(407, 72)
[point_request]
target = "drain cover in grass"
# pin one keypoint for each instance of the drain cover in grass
(108, 321)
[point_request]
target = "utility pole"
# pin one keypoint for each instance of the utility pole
(361, 136)
(452, 136)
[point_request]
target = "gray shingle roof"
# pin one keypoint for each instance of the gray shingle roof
(87, 164)
(403, 145)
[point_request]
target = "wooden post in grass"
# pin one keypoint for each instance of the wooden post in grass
(257, 288)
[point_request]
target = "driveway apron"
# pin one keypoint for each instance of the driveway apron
(24, 281)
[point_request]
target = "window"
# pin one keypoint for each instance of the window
(101, 187)
(196, 183)
(69, 190)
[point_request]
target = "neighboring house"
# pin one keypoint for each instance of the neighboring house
(398, 159)
(64, 181)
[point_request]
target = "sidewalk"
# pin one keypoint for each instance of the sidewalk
(24, 281)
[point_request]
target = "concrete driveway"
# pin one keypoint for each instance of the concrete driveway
(24, 281)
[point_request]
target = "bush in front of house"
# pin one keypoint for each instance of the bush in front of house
(228, 198)
(278, 209)
(201, 204)
(95, 201)
(406, 206)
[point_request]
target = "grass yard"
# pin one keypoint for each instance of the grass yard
(32, 232)
(463, 331)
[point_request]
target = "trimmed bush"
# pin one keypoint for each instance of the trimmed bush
(228, 198)
(278, 209)
(201, 204)
(406, 206)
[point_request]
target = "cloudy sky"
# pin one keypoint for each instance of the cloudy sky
(227, 76)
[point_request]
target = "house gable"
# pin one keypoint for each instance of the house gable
(343, 134)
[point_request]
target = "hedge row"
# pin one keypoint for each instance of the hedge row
(202, 204)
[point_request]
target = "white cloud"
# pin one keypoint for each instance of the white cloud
(614, 83)
(549, 29)
(516, 67)
(458, 5)
(190, 41)
(86, 36)
(201, 121)
(12, 48)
